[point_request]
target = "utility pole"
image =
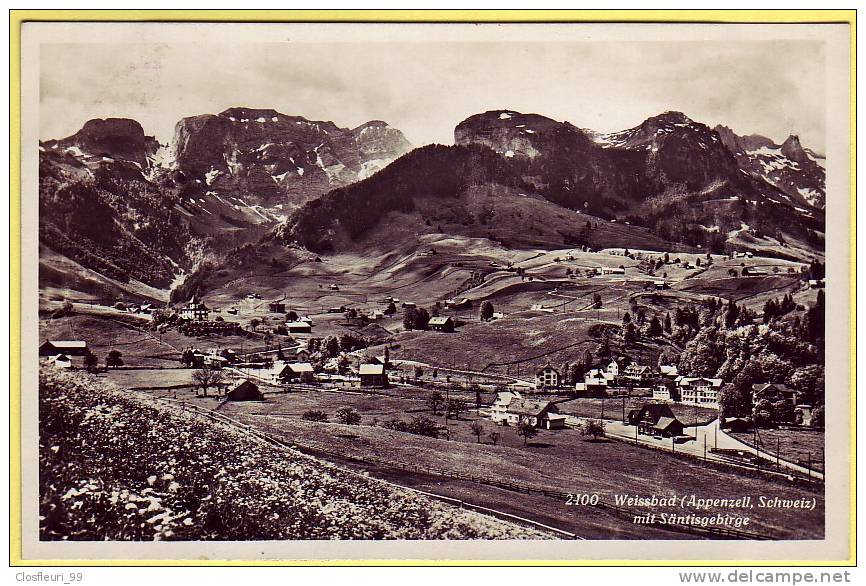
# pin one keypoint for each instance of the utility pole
(778, 441)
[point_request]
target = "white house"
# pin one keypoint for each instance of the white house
(547, 377)
(499, 408)
(195, 310)
(699, 391)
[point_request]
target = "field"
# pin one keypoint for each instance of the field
(614, 407)
(804, 447)
(556, 460)
(119, 466)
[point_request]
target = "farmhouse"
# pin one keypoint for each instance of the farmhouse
(373, 375)
(302, 354)
(699, 390)
(463, 303)
(61, 361)
(283, 372)
(547, 377)
(441, 324)
(499, 408)
(661, 285)
(543, 414)
(67, 347)
(245, 391)
(816, 283)
(773, 393)
(656, 419)
(612, 271)
(195, 310)
(299, 327)
(595, 383)
(277, 307)
(215, 361)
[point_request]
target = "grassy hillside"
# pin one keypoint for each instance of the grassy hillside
(116, 466)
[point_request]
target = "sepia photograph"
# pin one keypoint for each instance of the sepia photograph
(516, 291)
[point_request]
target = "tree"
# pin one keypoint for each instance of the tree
(493, 436)
(315, 415)
(391, 309)
(668, 328)
(434, 401)
(187, 358)
(592, 428)
(292, 316)
(655, 327)
(206, 378)
(734, 401)
(348, 416)
(526, 430)
(629, 333)
(90, 361)
(423, 426)
(415, 318)
(254, 323)
(454, 408)
(596, 301)
(818, 417)
(477, 429)
(486, 311)
(114, 359)
(331, 347)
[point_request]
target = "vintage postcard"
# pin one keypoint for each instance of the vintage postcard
(436, 291)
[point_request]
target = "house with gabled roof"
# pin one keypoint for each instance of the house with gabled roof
(373, 375)
(284, 372)
(656, 419)
(499, 408)
(540, 413)
(774, 393)
(441, 324)
(547, 377)
(67, 347)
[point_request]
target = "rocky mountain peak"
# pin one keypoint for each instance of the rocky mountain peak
(116, 138)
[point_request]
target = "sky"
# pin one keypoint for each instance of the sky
(774, 88)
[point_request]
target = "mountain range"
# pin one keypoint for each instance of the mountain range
(123, 209)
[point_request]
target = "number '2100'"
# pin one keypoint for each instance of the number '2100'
(581, 500)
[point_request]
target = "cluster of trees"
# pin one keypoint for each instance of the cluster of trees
(415, 318)
(774, 308)
(322, 350)
(113, 359)
(650, 328)
(417, 425)
(451, 407)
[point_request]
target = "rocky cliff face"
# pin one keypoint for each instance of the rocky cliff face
(797, 171)
(271, 159)
(112, 138)
(669, 174)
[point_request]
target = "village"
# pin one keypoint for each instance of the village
(601, 377)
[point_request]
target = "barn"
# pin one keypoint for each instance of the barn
(441, 324)
(373, 375)
(245, 391)
(67, 347)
